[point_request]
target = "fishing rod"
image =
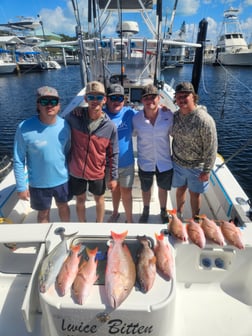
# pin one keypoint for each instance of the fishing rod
(236, 153)
(121, 28)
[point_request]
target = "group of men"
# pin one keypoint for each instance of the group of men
(93, 149)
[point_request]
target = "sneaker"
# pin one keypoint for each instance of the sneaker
(164, 217)
(113, 218)
(144, 217)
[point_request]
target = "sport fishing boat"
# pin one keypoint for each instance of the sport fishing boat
(213, 276)
(232, 48)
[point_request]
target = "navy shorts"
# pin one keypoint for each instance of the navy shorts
(41, 198)
(164, 179)
(78, 186)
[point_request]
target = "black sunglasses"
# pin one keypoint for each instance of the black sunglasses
(150, 96)
(48, 101)
(116, 98)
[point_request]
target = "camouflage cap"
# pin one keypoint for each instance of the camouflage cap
(95, 87)
(149, 89)
(184, 87)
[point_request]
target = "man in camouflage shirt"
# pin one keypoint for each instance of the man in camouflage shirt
(194, 147)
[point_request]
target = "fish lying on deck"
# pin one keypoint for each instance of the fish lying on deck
(212, 230)
(68, 270)
(176, 227)
(196, 233)
(85, 277)
(146, 265)
(232, 234)
(165, 260)
(52, 264)
(120, 274)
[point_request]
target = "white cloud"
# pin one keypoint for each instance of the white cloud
(56, 21)
(188, 7)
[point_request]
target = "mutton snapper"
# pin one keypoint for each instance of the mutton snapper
(52, 263)
(146, 265)
(68, 270)
(85, 277)
(120, 274)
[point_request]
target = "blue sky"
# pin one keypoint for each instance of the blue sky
(58, 17)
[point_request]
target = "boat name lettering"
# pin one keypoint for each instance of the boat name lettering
(115, 327)
(83, 328)
(118, 327)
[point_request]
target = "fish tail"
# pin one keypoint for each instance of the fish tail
(76, 248)
(91, 252)
(159, 236)
(119, 236)
(172, 212)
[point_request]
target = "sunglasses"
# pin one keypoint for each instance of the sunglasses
(99, 98)
(48, 101)
(150, 96)
(119, 99)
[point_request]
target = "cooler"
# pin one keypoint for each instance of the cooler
(140, 314)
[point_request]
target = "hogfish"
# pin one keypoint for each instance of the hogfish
(120, 273)
(165, 260)
(85, 277)
(146, 265)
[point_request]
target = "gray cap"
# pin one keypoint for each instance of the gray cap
(184, 87)
(115, 89)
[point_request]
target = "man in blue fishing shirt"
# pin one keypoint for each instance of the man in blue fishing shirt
(42, 144)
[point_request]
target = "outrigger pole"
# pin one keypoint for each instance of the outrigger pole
(159, 42)
(83, 66)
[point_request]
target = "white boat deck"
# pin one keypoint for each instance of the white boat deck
(202, 301)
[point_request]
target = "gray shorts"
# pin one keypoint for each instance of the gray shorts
(125, 176)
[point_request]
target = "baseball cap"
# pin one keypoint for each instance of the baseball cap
(47, 91)
(96, 87)
(184, 87)
(149, 89)
(115, 89)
